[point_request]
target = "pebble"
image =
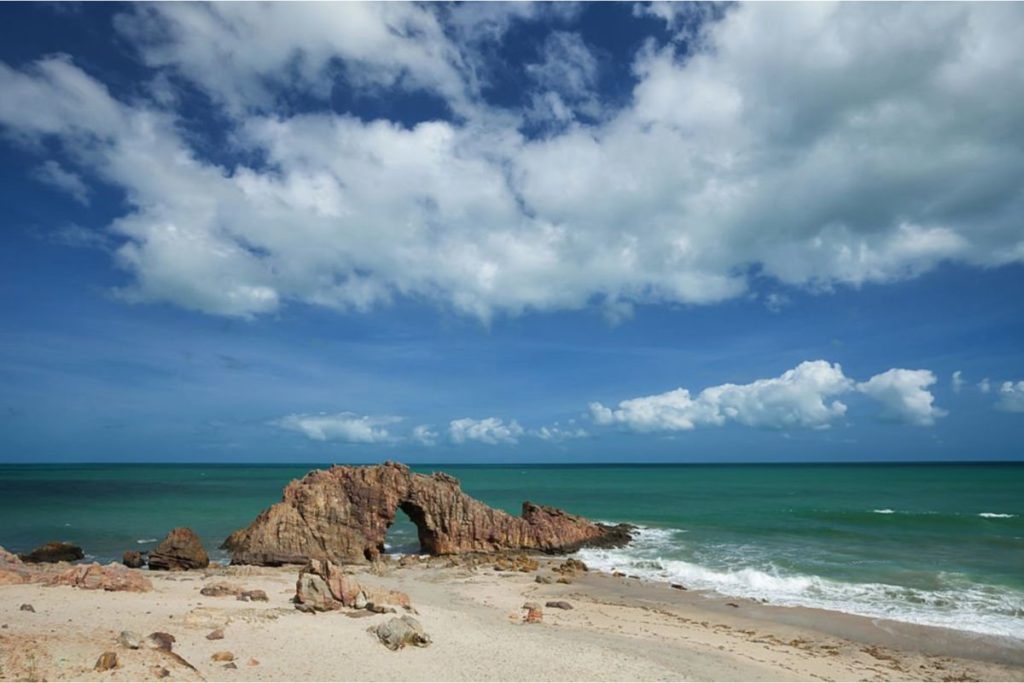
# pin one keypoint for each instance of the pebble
(27, 608)
(106, 662)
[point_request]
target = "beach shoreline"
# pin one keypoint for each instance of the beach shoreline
(619, 628)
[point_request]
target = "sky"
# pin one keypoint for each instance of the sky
(495, 232)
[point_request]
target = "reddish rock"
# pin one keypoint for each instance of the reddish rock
(133, 559)
(533, 616)
(106, 662)
(223, 656)
(111, 577)
(342, 514)
(322, 586)
(180, 550)
(216, 634)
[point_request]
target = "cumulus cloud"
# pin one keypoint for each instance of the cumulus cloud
(490, 430)
(957, 382)
(425, 435)
(347, 427)
(567, 77)
(801, 397)
(890, 147)
(798, 398)
(53, 174)
(904, 395)
(556, 432)
(1011, 397)
(985, 386)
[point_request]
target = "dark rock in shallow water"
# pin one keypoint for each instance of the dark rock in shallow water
(180, 550)
(133, 559)
(54, 551)
(342, 515)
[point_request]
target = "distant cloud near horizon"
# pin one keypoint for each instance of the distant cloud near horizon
(1011, 397)
(710, 176)
(490, 430)
(801, 397)
(345, 427)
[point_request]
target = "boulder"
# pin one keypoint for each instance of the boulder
(312, 592)
(342, 515)
(180, 550)
(111, 577)
(133, 559)
(54, 551)
(253, 596)
(221, 589)
(322, 586)
(398, 632)
(571, 566)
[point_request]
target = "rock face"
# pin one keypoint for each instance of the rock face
(342, 514)
(133, 559)
(54, 551)
(181, 549)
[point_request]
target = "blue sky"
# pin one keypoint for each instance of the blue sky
(489, 233)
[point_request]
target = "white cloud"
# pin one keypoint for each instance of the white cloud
(888, 148)
(985, 386)
(567, 77)
(904, 395)
(55, 175)
(957, 382)
(490, 430)
(556, 432)
(347, 427)
(424, 435)
(1011, 397)
(797, 398)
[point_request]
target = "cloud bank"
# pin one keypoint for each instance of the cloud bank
(344, 427)
(892, 145)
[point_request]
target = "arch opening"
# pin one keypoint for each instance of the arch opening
(402, 536)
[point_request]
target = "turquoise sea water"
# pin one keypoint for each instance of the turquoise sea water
(934, 544)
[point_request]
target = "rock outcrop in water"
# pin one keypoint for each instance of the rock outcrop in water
(54, 551)
(342, 514)
(181, 549)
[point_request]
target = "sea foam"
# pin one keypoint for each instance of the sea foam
(996, 515)
(960, 604)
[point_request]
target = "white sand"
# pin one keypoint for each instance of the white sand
(618, 630)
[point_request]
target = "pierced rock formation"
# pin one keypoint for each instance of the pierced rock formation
(342, 515)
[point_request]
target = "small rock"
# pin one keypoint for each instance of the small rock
(564, 579)
(380, 609)
(159, 672)
(558, 604)
(531, 605)
(133, 559)
(533, 616)
(678, 586)
(398, 632)
(27, 608)
(106, 662)
(160, 641)
(731, 604)
(254, 662)
(220, 589)
(223, 656)
(543, 578)
(618, 574)
(130, 640)
(254, 596)
(230, 665)
(308, 609)
(216, 634)
(572, 565)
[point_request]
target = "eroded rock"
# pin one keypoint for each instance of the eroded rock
(130, 640)
(133, 559)
(111, 577)
(398, 632)
(558, 604)
(342, 514)
(54, 551)
(106, 662)
(181, 549)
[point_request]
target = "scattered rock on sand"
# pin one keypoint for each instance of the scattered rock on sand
(531, 605)
(111, 577)
(221, 589)
(571, 566)
(160, 641)
(130, 640)
(106, 662)
(181, 549)
(54, 551)
(564, 579)
(253, 662)
(207, 617)
(731, 604)
(27, 608)
(678, 586)
(543, 578)
(322, 586)
(253, 596)
(133, 559)
(533, 616)
(230, 665)
(159, 672)
(215, 634)
(223, 656)
(398, 632)
(558, 604)
(312, 592)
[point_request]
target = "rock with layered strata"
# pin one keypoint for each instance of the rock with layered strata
(180, 550)
(342, 514)
(111, 577)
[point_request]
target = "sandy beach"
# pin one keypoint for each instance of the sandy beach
(618, 629)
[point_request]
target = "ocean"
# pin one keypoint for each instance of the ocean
(938, 544)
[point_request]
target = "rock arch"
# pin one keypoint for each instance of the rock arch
(342, 514)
